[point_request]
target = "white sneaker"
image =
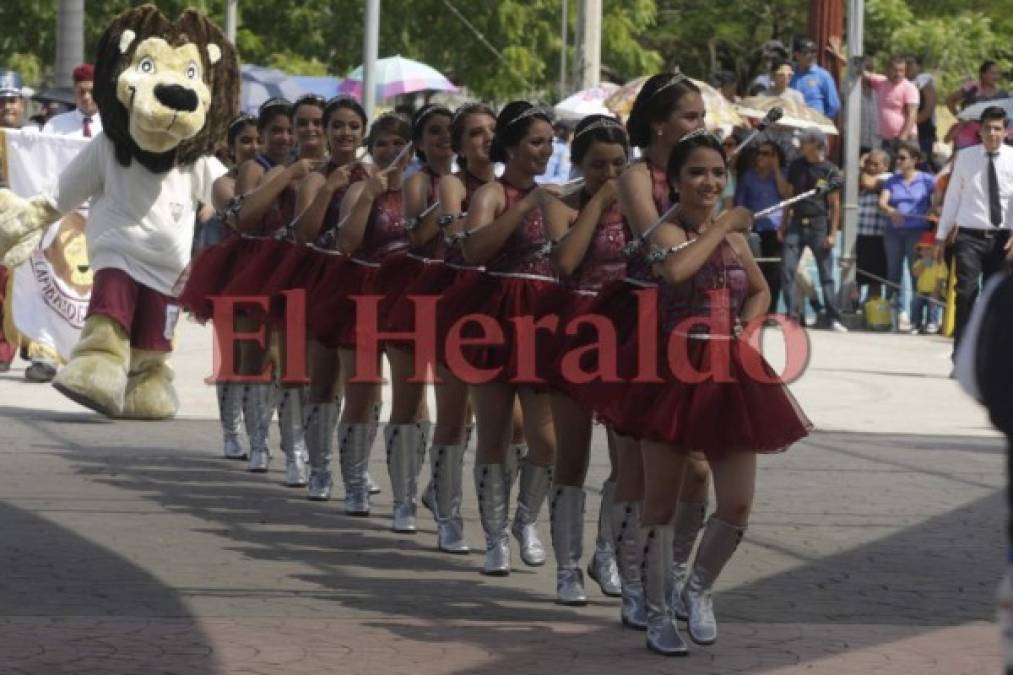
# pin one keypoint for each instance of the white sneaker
(903, 322)
(838, 327)
(932, 329)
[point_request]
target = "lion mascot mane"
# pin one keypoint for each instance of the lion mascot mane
(166, 92)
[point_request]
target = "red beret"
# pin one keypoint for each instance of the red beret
(84, 73)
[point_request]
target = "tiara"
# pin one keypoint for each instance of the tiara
(698, 133)
(429, 112)
(276, 102)
(530, 112)
(242, 120)
(603, 123)
(676, 77)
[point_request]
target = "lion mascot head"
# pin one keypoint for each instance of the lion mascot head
(166, 91)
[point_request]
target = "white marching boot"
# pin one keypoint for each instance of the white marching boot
(602, 567)
(662, 633)
(354, 456)
(447, 465)
(258, 409)
(566, 513)
(686, 523)
(403, 464)
(533, 486)
(374, 428)
(493, 489)
(230, 411)
(625, 517)
(717, 545)
(293, 435)
(321, 424)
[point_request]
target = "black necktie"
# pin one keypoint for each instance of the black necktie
(994, 208)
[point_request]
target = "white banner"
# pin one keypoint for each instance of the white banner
(52, 289)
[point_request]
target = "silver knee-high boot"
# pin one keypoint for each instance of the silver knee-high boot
(533, 486)
(230, 411)
(374, 428)
(662, 634)
(493, 488)
(566, 513)
(321, 422)
(719, 541)
(686, 524)
(354, 455)
(447, 464)
(602, 567)
(625, 517)
(293, 435)
(403, 464)
(258, 409)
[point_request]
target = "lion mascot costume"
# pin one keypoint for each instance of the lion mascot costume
(166, 92)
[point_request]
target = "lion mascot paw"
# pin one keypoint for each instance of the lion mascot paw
(22, 223)
(167, 92)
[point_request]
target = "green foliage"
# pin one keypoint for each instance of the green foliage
(319, 37)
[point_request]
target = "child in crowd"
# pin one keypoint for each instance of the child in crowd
(931, 276)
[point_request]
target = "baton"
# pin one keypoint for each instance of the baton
(773, 115)
(832, 186)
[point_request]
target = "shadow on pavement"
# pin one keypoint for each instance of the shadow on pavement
(940, 571)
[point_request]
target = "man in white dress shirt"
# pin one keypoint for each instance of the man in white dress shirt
(977, 216)
(83, 121)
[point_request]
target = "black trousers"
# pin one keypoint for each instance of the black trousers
(770, 247)
(975, 255)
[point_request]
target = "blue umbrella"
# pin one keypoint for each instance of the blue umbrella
(258, 83)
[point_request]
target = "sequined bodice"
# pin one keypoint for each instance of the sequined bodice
(327, 237)
(385, 230)
(604, 260)
(637, 267)
(524, 250)
(279, 217)
(435, 248)
(721, 279)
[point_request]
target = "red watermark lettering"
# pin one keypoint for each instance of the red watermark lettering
(368, 337)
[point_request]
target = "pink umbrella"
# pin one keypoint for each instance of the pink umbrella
(397, 75)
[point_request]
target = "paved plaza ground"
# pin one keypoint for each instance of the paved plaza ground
(126, 547)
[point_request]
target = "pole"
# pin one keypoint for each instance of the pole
(370, 45)
(231, 12)
(562, 54)
(69, 40)
(853, 112)
(589, 43)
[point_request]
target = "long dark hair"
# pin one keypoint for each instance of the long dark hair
(348, 103)
(419, 120)
(682, 151)
(512, 126)
(655, 102)
(457, 127)
(388, 123)
(597, 128)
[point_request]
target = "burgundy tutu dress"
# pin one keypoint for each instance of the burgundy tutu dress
(514, 284)
(729, 410)
(331, 311)
(603, 263)
(624, 304)
(436, 278)
(399, 271)
(217, 267)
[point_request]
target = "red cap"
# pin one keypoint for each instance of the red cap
(84, 73)
(928, 238)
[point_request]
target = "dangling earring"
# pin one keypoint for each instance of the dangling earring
(659, 132)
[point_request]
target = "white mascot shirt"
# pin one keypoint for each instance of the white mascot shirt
(140, 222)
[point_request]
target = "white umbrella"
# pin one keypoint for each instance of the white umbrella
(973, 112)
(587, 102)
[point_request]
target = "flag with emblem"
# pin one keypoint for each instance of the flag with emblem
(52, 288)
